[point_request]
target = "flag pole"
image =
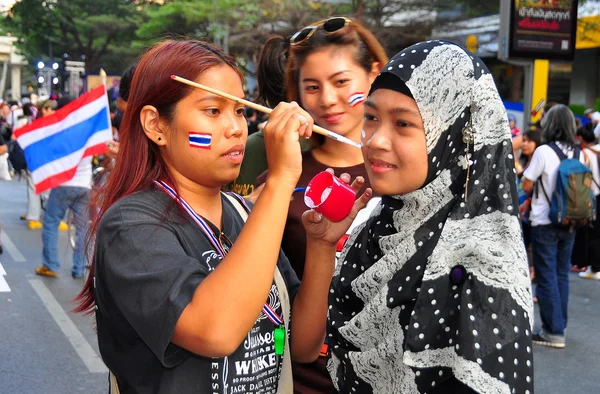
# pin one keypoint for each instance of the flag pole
(103, 78)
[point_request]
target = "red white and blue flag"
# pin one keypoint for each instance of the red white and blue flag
(200, 140)
(356, 98)
(54, 145)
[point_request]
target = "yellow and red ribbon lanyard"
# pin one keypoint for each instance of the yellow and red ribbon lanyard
(279, 331)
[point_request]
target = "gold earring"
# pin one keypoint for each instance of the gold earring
(468, 138)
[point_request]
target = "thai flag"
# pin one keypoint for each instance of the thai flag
(356, 98)
(200, 140)
(54, 145)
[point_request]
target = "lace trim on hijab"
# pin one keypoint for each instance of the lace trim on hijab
(446, 73)
(464, 370)
(488, 259)
(419, 206)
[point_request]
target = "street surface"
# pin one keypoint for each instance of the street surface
(46, 349)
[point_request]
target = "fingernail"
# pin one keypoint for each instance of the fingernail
(303, 120)
(360, 179)
(318, 217)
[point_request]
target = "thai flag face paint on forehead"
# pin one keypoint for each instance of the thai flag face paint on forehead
(200, 140)
(356, 98)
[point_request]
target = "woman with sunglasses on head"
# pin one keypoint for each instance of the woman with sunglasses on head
(186, 301)
(331, 65)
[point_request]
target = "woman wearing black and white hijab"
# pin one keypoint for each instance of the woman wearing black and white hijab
(432, 293)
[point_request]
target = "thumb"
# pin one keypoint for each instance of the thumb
(312, 217)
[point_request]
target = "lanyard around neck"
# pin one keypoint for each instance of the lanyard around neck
(267, 309)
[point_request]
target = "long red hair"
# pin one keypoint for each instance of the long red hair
(139, 161)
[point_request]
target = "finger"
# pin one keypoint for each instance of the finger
(361, 202)
(277, 125)
(303, 130)
(307, 119)
(275, 117)
(346, 178)
(292, 124)
(358, 183)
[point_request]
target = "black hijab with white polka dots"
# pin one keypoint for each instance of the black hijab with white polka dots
(435, 284)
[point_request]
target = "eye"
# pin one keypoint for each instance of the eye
(342, 81)
(402, 123)
(212, 111)
(311, 88)
(240, 111)
(369, 118)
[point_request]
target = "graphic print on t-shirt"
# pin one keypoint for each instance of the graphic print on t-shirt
(254, 367)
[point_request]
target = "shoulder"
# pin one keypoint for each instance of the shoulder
(150, 206)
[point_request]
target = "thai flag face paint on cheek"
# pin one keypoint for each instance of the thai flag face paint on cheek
(200, 140)
(356, 99)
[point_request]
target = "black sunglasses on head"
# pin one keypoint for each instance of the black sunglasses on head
(328, 25)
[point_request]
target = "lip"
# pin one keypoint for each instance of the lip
(379, 166)
(235, 154)
(333, 118)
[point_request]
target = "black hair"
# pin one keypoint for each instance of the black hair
(249, 112)
(270, 71)
(125, 83)
(586, 134)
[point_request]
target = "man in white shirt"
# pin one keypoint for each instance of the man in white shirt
(551, 245)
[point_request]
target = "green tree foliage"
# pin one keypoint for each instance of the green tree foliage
(98, 31)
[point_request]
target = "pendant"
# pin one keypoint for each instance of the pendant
(279, 339)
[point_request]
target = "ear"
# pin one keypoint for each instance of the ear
(375, 70)
(153, 128)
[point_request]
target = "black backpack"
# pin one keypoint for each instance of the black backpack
(16, 156)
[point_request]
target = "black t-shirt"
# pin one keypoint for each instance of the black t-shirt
(151, 256)
(2, 142)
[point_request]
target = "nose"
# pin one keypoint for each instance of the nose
(235, 126)
(379, 140)
(329, 96)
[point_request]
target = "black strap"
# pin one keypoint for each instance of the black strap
(561, 155)
(543, 190)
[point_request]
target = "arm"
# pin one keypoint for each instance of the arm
(226, 304)
(309, 313)
(527, 186)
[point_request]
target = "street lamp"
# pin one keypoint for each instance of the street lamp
(40, 79)
(55, 66)
(40, 65)
(55, 80)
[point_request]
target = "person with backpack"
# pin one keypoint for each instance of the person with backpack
(587, 257)
(562, 201)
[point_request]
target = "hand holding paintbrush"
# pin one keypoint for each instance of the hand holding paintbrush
(266, 110)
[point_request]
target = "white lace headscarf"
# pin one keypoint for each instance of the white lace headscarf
(432, 286)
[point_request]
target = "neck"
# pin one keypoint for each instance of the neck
(338, 154)
(204, 200)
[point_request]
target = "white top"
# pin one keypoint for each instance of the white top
(83, 175)
(544, 164)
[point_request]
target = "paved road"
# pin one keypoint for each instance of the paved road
(45, 349)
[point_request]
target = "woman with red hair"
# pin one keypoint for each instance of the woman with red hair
(185, 300)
